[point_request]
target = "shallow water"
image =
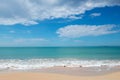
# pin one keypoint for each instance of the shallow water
(26, 58)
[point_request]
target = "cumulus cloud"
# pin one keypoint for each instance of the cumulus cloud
(28, 12)
(76, 31)
(95, 14)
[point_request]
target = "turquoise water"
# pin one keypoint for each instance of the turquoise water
(60, 52)
(27, 58)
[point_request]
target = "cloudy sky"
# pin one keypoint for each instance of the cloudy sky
(59, 22)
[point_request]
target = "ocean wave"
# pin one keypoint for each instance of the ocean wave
(28, 64)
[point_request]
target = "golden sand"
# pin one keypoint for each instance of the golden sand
(51, 76)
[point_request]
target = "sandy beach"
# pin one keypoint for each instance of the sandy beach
(63, 73)
(51, 76)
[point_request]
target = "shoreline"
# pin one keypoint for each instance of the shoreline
(29, 64)
(76, 71)
(80, 71)
(64, 73)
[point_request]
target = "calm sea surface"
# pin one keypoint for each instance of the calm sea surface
(60, 52)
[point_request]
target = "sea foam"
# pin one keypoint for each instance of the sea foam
(30, 64)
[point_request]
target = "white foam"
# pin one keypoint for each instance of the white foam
(17, 64)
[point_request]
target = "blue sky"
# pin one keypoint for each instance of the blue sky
(60, 23)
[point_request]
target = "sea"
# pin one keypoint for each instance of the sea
(30, 58)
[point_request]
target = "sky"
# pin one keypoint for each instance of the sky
(59, 23)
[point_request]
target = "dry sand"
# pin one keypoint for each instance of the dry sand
(64, 73)
(53, 76)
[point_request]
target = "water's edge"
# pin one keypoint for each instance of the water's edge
(30, 64)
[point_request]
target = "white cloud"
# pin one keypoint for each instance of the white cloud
(21, 40)
(95, 14)
(76, 31)
(28, 12)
